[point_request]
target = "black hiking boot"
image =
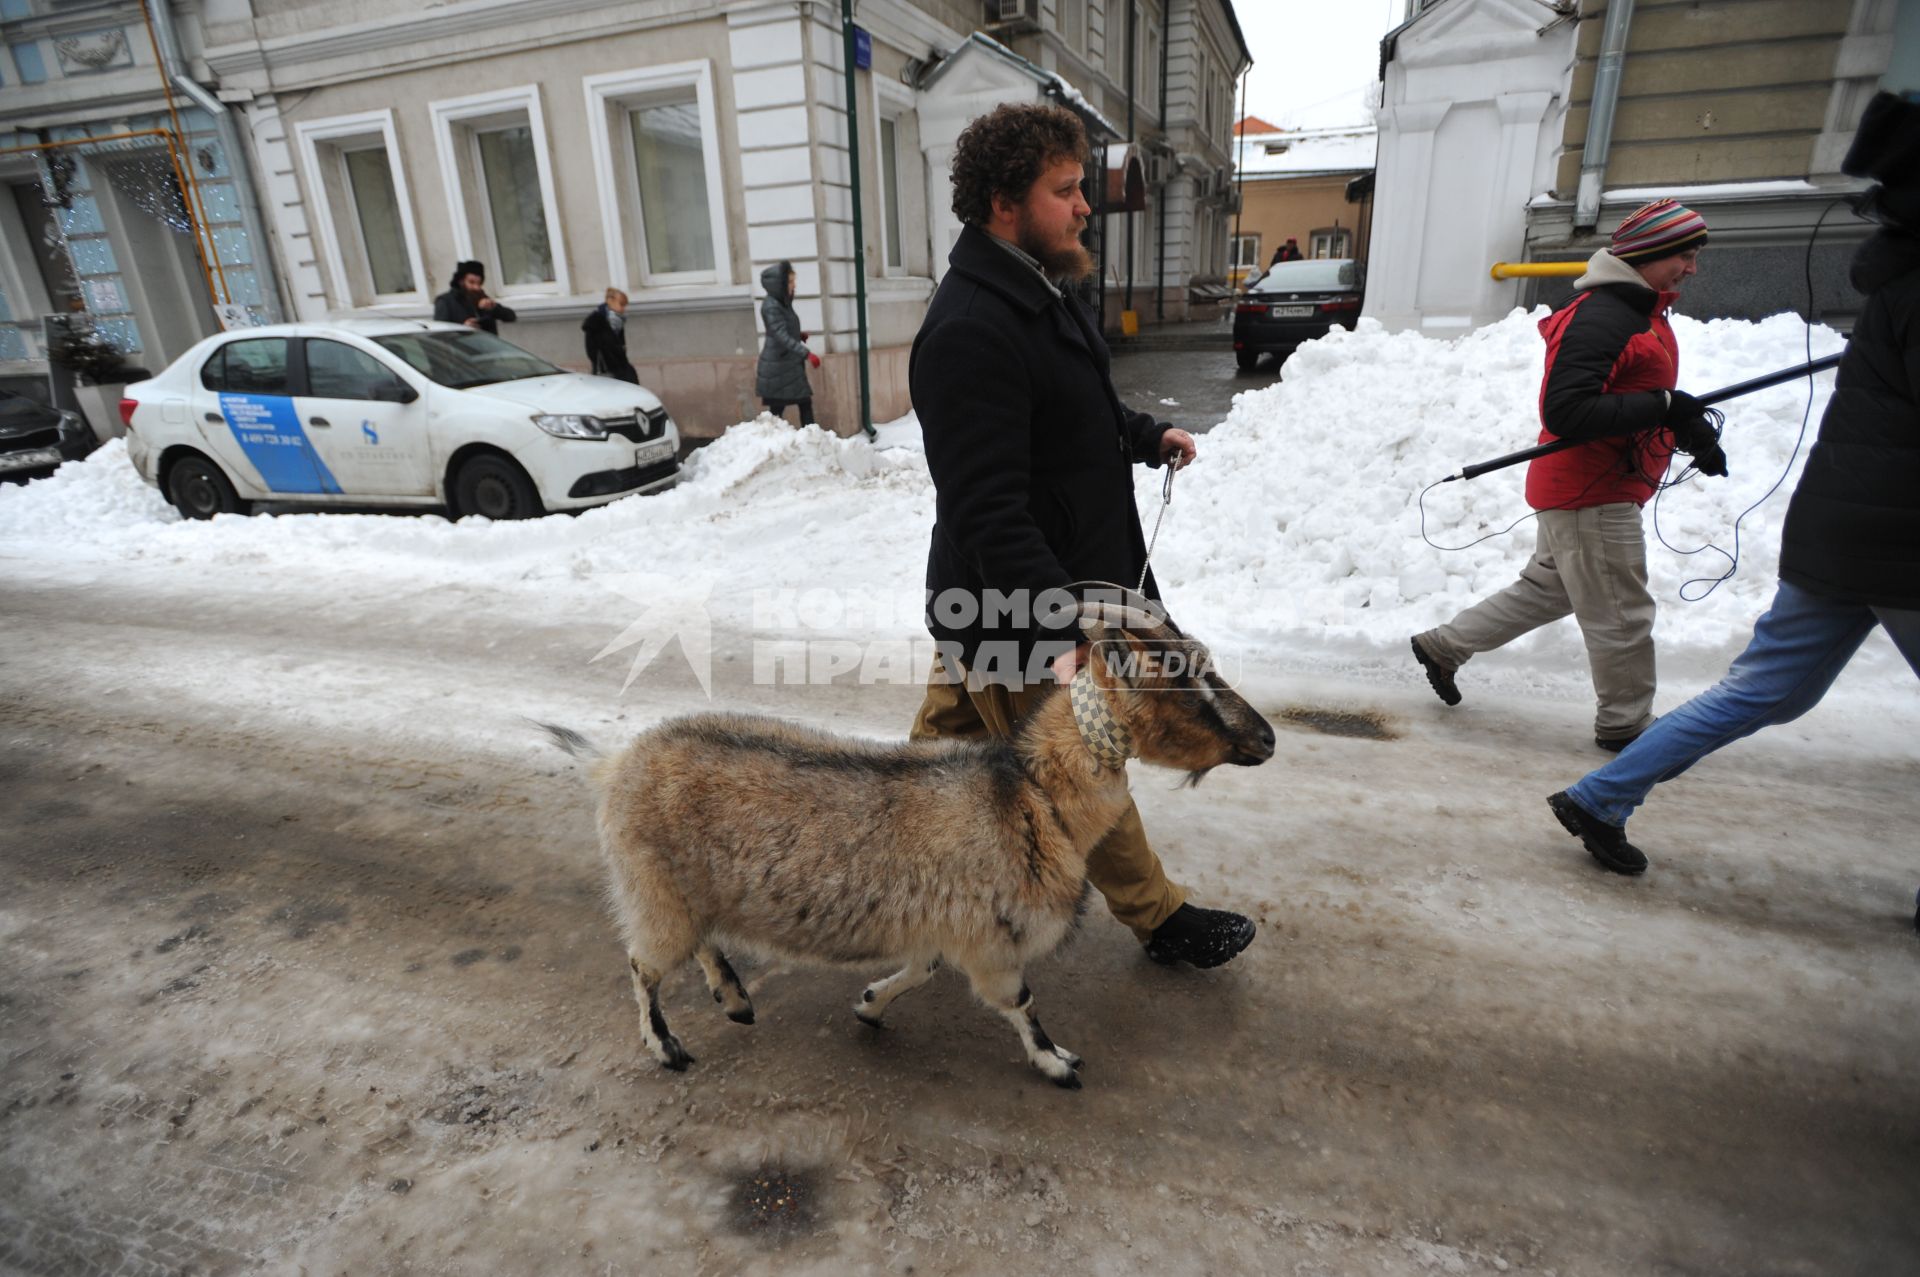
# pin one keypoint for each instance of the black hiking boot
(1607, 843)
(1614, 744)
(1200, 937)
(1438, 675)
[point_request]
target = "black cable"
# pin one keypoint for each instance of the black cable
(1733, 559)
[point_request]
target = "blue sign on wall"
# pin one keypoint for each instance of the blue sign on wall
(270, 434)
(862, 49)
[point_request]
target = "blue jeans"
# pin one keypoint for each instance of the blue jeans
(1798, 648)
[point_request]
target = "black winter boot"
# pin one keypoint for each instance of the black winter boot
(1607, 843)
(1201, 937)
(1438, 675)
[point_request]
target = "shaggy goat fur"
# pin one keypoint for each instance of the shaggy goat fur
(727, 830)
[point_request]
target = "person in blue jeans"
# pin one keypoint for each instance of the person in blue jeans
(1850, 550)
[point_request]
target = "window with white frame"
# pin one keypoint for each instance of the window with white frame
(657, 159)
(1331, 241)
(1072, 17)
(359, 192)
(499, 179)
(1246, 251)
(896, 258)
(515, 223)
(1149, 74)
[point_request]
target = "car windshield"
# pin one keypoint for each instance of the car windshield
(1307, 276)
(465, 359)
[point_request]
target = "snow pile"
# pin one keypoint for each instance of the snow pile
(1302, 517)
(1298, 532)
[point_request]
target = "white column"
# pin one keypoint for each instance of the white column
(1399, 219)
(779, 166)
(1505, 236)
(288, 221)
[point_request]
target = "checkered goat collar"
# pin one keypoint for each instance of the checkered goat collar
(1106, 736)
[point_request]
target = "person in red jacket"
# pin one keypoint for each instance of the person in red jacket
(1612, 365)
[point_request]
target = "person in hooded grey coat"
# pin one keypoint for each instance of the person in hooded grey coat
(781, 379)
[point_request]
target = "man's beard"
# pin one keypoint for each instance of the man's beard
(1070, 264)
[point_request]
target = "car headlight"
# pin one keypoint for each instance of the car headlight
(571, 425)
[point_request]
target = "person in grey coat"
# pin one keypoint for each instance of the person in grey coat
(782, 377)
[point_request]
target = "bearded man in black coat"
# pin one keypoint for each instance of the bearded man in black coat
(1031, 453)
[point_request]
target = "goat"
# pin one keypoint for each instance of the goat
(750, 831)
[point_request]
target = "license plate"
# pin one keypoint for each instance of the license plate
(658, 450)
(31, 459)
(1292, 312)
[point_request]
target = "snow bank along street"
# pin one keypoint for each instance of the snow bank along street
(305, 967)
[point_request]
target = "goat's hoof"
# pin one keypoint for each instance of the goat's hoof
(1068, 1058)
(741, 1017)
(1071, 1082)
(872, 1022)
(676, 1058)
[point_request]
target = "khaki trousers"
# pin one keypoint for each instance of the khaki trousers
(1121, 866)
(1591, 563)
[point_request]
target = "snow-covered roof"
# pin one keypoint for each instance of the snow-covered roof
(1050, 83)
(1308, 152)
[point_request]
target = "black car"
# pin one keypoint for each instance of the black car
(35, 438)
(1295, 302)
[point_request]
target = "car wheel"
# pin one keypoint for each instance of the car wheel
(198, 490)
(494, 488)
(1246, 359)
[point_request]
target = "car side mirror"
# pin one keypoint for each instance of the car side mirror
(395, 392)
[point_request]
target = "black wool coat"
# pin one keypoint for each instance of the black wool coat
(1853, 527)
(607, 346)
(1030, 449)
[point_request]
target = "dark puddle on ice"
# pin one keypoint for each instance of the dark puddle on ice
(1361, 724)
(773, 1202)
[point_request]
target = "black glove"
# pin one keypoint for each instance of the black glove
(1710, 460)
(1694, 434)
(1681, 409)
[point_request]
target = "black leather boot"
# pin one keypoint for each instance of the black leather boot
(1200, 937)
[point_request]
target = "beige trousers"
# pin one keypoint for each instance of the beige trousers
(1591, 563)
(1121, 866)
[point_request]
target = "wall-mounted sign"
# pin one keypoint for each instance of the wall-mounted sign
(862, 49)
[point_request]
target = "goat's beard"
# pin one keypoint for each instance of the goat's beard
(1069, 264)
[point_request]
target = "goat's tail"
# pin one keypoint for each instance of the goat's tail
(571, 741)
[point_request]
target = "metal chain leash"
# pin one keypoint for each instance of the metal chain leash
(1166, 499)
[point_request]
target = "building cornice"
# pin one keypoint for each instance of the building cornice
(428, 37)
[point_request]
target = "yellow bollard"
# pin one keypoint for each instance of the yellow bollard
(1537, 270)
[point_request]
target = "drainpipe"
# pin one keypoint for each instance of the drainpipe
(1160, 228)
(239, 158)
(1606, 96)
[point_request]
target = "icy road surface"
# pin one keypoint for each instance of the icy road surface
(304, 970)
(303, 966)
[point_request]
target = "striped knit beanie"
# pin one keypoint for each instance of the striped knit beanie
(1657, 230)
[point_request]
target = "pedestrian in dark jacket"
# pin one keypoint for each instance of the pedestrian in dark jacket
(1287, 252)
(1032, 453)
(1612, 364)
(781, 378)
(466, 301)
(606, 337)
(1850, 551)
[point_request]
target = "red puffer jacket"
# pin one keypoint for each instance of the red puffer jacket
(1610, 352)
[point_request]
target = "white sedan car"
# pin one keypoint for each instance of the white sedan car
(391, 412)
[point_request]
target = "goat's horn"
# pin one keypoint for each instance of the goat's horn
(1116, 605)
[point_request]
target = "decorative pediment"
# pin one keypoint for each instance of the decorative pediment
(1471, 30)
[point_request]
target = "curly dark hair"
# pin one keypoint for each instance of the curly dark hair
(1006, 150)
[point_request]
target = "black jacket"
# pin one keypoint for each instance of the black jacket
(452, 307)
(1853, 528)
(607, 346)
(1030, 449)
